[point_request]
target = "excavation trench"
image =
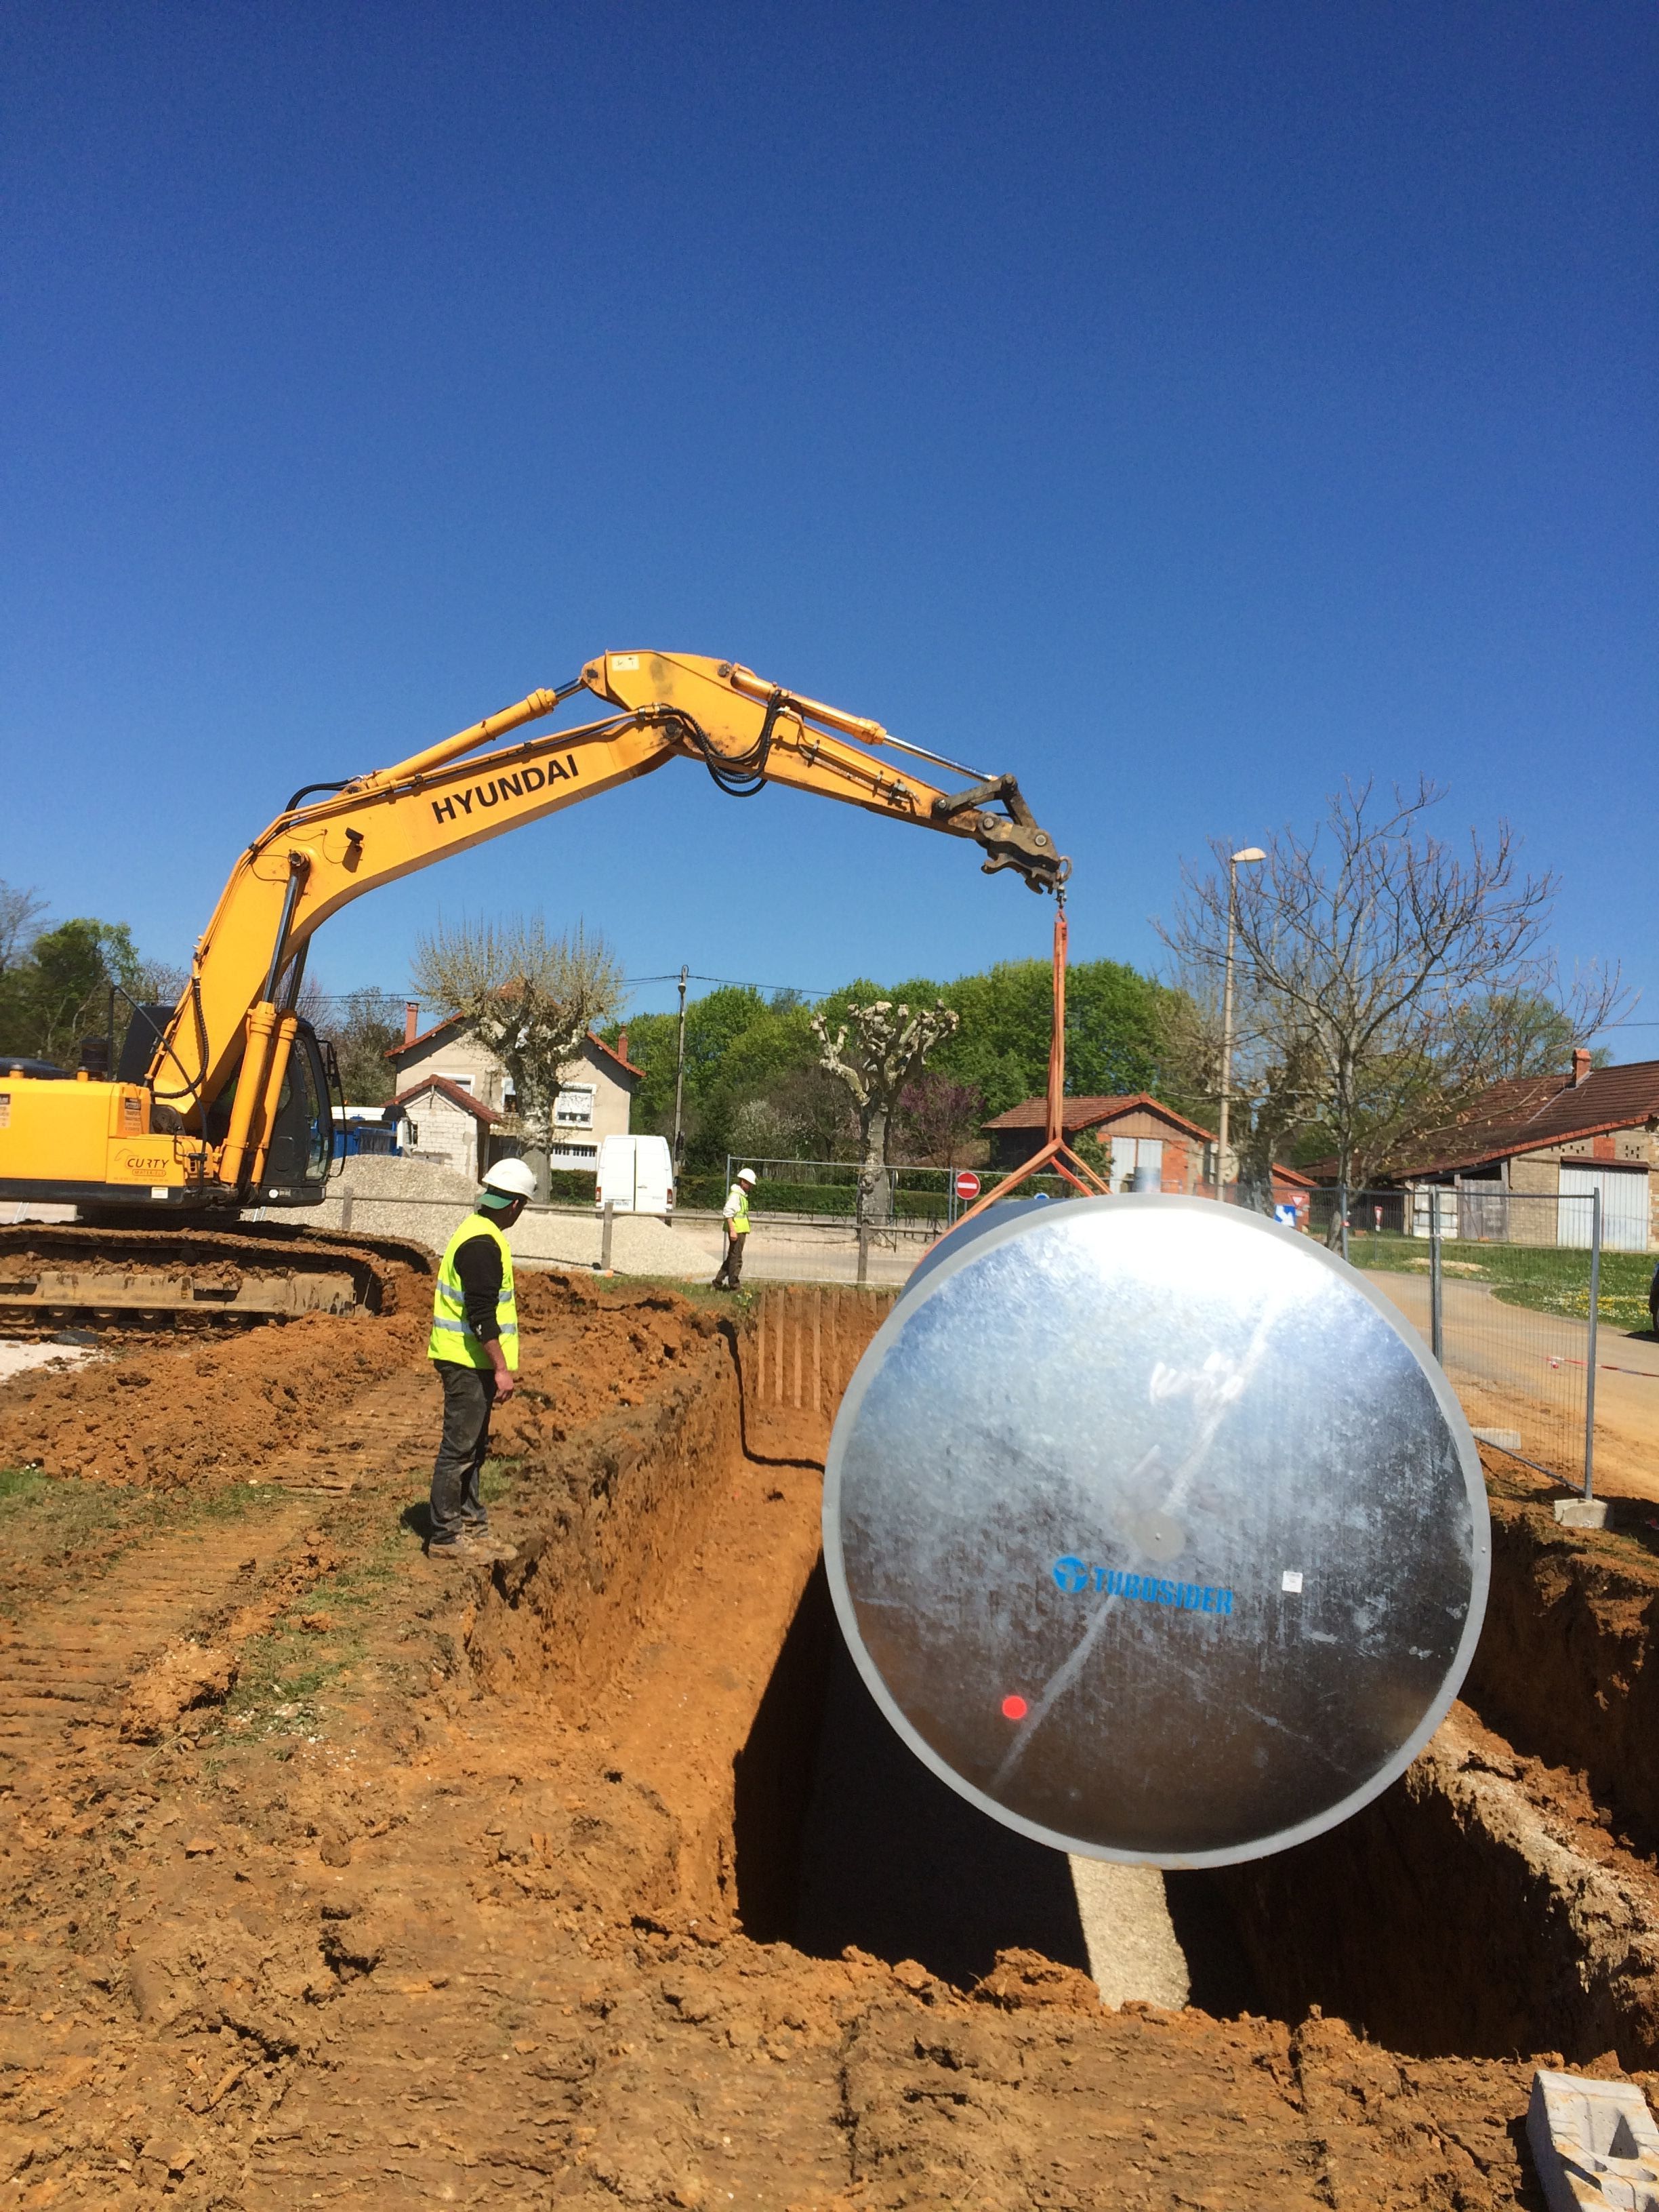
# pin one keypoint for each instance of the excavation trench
(1474, 1910)
(1484, 1906)
(566, 1857)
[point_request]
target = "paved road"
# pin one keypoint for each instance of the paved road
(792, 1252)
(1518, 1369)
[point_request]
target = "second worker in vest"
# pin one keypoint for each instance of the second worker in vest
(474, 1345)
(734, 1221)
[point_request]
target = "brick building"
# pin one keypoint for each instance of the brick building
(1136, 1131)
(1541, 1138)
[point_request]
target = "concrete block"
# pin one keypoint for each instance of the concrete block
(1505, 1439)
(1593, 2144)
(1583, 1513)
(1133, 1950)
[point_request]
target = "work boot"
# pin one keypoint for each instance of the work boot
(461, 1551)
(486, 1546)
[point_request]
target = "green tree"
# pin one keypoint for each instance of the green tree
(744, 1051)
(1115, 1021)
(59, 991)
(363, 1027)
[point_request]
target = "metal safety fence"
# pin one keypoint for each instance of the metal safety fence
(1507, 1288)
(907, 1198)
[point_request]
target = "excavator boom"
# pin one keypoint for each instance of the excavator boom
(219, 1116)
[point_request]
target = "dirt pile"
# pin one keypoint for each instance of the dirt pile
(225, 1408)
(214, 1410)
(188, 1675)
(445, 1900)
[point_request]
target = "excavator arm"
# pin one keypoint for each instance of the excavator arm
(334, 843)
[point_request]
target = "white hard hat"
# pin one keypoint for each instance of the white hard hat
(512, 1178)
(746, 1175)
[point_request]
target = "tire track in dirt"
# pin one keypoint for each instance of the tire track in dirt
(370, 1443)
(65, 1662)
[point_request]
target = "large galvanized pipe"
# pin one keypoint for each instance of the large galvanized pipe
(1154, 1531)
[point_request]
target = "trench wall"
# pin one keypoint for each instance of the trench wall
(1498, 1916)
(1456, 1916)
(621, 1508)
(797, 1353)
(1566, 1666)
(626, 1502)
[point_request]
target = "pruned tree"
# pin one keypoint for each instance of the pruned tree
(890, 1044)
(533, 997)
(1380, 975)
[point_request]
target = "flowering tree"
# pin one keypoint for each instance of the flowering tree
(937, 1118)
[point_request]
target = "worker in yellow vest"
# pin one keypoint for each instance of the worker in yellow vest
(734, 1221)
(474, 1344)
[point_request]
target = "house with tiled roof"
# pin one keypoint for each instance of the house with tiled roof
(453, 1088)
(1551, 1142)
(1136, 1131)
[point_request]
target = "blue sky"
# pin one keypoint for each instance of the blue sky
(1182, 406)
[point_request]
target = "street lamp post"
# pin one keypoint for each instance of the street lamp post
(1249, 854)
(679, 1075)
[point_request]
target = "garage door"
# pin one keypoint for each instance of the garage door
(1623, 1208)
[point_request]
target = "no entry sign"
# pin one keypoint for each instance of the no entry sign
(967, 1184)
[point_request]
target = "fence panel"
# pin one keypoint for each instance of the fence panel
(1500, 1284)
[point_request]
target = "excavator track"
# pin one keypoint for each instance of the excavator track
(57, 1271)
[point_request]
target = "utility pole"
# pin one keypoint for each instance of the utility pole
(1250, 854)
(679, 1076)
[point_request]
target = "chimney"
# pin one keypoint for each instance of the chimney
(411, 1021)
(1581, 1066)
(622, 1045)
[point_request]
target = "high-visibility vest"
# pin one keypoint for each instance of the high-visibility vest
(451, 1338)
(738, 1222)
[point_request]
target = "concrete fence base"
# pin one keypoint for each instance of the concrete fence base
(408, 1199)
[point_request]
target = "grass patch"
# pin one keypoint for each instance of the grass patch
(1545, 1278)
(48, 1521)
(497, 1481)
(285, 1675)
(237, 1500)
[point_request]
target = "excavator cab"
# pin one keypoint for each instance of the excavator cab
(303, 1143)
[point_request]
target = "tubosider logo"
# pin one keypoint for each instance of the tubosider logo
(1074, 1576)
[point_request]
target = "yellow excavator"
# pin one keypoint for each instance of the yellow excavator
(222, 1105)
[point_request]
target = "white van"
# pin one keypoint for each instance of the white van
(635, 1176)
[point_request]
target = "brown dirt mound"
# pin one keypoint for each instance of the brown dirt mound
(447, 1905)
(168, 1415)
(188, 1675)
(221, 1410)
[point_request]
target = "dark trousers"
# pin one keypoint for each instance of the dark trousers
(457, 1508)
(731, 1271)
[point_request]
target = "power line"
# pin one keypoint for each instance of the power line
(731, 982)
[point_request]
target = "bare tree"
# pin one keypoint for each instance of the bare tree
(889, 1046)
(20, 909)
(533, 997)
(1381, 974)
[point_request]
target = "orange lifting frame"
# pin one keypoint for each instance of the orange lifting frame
(1056, 1151)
